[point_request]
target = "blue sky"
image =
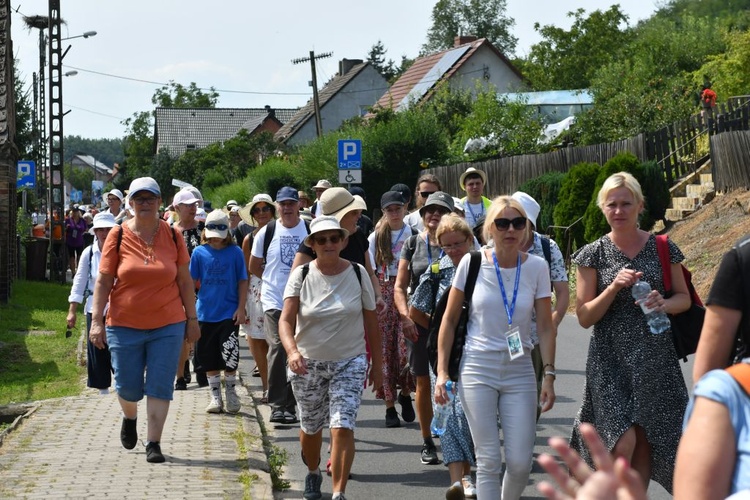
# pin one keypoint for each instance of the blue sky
(236, 45)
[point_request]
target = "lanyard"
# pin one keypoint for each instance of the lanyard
(509, 309)
(473, 215)
(393, 248)
(429, 253)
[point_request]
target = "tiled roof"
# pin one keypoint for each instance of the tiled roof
(325, 94)
(88, 161)
(419, 80)
(181, 128)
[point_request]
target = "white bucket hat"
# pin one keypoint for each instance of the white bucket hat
(102, 220)
(324, 223)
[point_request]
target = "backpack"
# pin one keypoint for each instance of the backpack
(270, 230)
(436, 319)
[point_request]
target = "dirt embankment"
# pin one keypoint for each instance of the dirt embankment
(707, 234)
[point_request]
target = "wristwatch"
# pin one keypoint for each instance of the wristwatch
(551, 373)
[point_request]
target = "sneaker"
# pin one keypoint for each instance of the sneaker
(338, 496)
(290, 418)
(312, 486)
(215, 405)
(129, 433)
(429, 454)
(391, 418)
(455, 492)
(153, 453)
(181, 384)
(407, 409)
(233, 400)
(256, 372)
(470, 491)
(277, 417)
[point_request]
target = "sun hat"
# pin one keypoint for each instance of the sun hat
(217, 217)
(144, 184)
(529, 204)
(439, 198)
(200, 214)
(287, 194)
(184, 197)
(403, 189)
(324, 223)
(339, 202)
(102, 220)
(246, 212)
(323, 184)
(391, 198)
(458, 205)
(470, 171)
(117, 193)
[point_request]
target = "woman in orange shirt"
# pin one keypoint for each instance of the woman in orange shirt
(144, 274)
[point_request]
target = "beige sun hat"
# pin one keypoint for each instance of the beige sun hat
(324, 223)
(246, 212)
(338, 202)
(469, 171)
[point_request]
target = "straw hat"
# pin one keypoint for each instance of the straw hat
(470, 171)
(246, 212)
(338, 202)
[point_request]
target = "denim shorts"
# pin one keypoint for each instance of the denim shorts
(150, 353)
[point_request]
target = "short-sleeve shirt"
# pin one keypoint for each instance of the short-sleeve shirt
(398, 238)
(720, 386)
(728, 289)
(355, 250)
(415, 220)
(420, 256)
(219, 272)
(488, 321)
(144, 296)
(74, 232)
(330, 322)
(279, 261)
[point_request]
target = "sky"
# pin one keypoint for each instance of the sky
(242, 48)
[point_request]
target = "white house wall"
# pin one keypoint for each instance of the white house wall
(498, 74)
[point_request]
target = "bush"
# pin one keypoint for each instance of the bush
(574, 196)
(655, 193)
(545, 189)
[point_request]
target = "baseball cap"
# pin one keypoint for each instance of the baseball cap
(214, 221)
(184, 197)
(143, 184)
(529, 204)
(391, 198)
(287, 194)
(117, 193)
(403, 189)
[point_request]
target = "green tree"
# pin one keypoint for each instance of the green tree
(482, 18)
(25, 139)
(568, 59)
(545, 189)
(728, 70)
(376, 57)
(574, 196)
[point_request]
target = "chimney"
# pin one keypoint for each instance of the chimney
(271, 112)
(347, 64)
(463, 40)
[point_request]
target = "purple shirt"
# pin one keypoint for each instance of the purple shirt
(74, 232)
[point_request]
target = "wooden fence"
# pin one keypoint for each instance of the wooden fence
(730, 160)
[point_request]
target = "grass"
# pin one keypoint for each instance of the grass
(37, 366)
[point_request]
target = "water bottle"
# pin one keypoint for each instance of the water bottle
(658, 322)
(442, 412)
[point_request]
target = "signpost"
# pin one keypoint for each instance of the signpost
(350, 161)
(26, 174)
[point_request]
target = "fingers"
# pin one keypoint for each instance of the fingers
(550, 492)
(577, 467)
(599, 454)
(567, 484)
(630, 480)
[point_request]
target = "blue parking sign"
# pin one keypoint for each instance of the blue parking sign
(26, 174)
(350, 154)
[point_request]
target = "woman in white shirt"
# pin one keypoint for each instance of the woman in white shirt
(98, 363)
(496, 377)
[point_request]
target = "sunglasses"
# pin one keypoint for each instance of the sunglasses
(322, 240)
(145, 199)
(518, 223)
(425, 194)
(258, 210)
(217, 227)
(436, 208)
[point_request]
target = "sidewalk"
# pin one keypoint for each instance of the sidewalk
(70, 448)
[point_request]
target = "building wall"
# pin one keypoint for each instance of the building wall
(353, 100)
(497, 73)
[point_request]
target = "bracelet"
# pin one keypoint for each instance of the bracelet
(550, 365)
(192, 318)
(551, 373)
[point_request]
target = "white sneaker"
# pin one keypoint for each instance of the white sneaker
(233, 400)
(455, 492)
(470, 491)
(215, 405)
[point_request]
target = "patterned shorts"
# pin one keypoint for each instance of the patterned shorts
(330, 391)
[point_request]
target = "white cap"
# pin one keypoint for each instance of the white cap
(144, 184)
(529, 204)
(184, 197)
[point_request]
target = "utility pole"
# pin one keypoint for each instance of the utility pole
(316, 102)
(58, 263)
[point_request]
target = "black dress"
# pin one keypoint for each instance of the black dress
(632, 376)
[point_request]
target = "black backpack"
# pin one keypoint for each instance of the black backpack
(436, 318)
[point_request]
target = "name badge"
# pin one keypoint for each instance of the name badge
(515, 347)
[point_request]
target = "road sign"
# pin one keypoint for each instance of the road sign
(26, 174)
(350, 176)
(350, 154)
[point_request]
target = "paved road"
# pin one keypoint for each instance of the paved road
(387, 463)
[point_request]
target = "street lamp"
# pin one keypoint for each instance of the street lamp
(87, 34)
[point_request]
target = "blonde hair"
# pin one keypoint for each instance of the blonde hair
(452, 223)
(618, 180)
(498, 205)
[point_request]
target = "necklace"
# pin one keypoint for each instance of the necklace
(147, 247)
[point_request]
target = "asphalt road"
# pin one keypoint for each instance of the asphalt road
(387, 463)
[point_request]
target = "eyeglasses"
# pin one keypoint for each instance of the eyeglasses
(217, 227)
(425, 194)
(257, 210)
(454, 246)
(145, 199)
(518, 223)
(322, 240)
(431, 209)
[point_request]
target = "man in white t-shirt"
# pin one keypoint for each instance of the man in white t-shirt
(475, 203)
(273, 268)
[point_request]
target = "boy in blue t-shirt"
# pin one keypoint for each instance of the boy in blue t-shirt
(220, 275)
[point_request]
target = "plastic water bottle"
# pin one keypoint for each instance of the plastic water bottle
(442, 412)
(658, 322)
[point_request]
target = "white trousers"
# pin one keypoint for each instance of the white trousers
(491, 385)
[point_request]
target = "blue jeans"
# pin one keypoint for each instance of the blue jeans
(156, 352)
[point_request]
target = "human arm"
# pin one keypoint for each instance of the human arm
(186, 287)
(717, 339)
(704, 466)
(255, 265)
(240, 315)
(97, 334)
(445, 342)
(546, 331)
(379, 303)
(247, 246)
(562, 301)
(372, 330)
(287, 326)
(400, 301)
(590, 307)
(80, 285)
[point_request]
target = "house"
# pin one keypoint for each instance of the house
(181, 129)
(553, 105)
(88, 162)
(354, 89)
(471, 60)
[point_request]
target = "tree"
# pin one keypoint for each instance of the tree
(376, 57)
(481, 18)
(728, 70)
(25, 139)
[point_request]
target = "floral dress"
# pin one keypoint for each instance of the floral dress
(632, 376)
